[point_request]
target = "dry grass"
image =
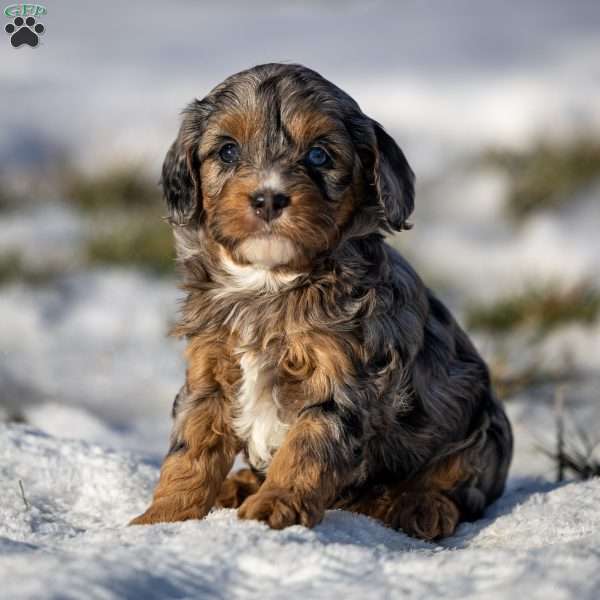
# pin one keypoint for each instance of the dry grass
(574, 452)
(9, 198)
(130, 203)
(509, 382)
(541, 309)
(14, 269)
(547, 176)
(526, 319)
(122, 188)
(146, 243)
(126, 208)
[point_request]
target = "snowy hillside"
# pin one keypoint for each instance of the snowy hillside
(68, 539)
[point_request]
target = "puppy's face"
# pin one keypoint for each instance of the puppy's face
(280, 177)
(276, 165)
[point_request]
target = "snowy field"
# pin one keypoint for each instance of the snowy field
(65, 538)
(88, 374)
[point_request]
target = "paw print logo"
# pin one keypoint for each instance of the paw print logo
(24, 32)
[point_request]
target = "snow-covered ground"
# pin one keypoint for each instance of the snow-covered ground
(96, 342)
(64, 535)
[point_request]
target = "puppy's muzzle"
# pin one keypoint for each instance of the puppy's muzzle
(269, 205)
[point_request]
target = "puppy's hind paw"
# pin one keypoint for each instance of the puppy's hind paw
(428, 516)
(236, 488)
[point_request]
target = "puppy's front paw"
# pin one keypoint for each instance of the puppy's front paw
(279, 508)
(167, 510)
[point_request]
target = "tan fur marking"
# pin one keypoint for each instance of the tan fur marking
(310, 367)
(240, 125)
(237, 487)
(301, 481)
(427, 516)
(307, 126)
(211, 364)
(419, 507)
(446, 475)
(190, 479)
(230, 211)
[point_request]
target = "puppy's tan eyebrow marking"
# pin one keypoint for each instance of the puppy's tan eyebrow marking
(241, 126)
(306, 127)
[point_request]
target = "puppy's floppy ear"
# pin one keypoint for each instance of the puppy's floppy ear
(181, 169)
(394, 180)
(180, 188)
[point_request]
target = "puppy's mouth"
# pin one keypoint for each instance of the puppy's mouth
(267, 251)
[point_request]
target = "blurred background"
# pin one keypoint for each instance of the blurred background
(496, 105)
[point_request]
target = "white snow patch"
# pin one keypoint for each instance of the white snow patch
(69, 539)
(97, 341)
(462, 233)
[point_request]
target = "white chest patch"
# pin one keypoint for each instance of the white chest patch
(256, 421)
(258, 277)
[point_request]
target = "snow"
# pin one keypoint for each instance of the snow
(463, 234)
(98, 342)
(69, 539)
(49, 234)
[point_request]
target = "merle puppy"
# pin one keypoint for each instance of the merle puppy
(313, 347)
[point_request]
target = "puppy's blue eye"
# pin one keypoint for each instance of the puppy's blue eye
(229, 153)
(317, 157)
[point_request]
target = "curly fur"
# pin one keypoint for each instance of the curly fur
(312, 345)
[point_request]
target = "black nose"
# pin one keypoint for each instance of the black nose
(268, 205)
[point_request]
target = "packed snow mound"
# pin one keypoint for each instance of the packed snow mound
(65, 535)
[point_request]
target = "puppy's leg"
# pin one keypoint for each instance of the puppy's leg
(421, 508)
(456, 488)
(237, 487)
(305, 475)
(203, 449)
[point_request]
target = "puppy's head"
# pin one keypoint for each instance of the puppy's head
(277, 165)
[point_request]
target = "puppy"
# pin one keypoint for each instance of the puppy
(313, 347)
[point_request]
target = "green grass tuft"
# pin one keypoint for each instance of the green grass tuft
(120, 188)
(14, 269)
(548, 175)
(541, 308)
(509, 382)
(146, 243)
(130, 205)
(11, 267)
